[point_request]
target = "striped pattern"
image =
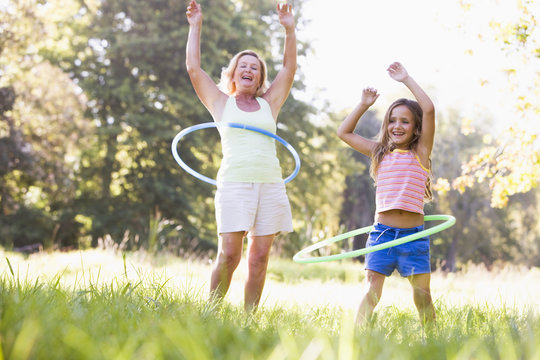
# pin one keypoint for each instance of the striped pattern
(401, 182)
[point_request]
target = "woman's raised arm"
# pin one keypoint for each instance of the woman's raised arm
(281, 86)
(206, 89)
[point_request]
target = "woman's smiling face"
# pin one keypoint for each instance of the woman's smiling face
(247, 75)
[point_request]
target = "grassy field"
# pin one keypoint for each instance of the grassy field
(99, 304)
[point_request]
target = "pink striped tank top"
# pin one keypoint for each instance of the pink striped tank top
(401, 182)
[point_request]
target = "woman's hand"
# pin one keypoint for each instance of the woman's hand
(194, 13)
(286, 17)
(397, 72)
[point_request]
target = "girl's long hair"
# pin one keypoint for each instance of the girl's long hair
(227, 85)
(385, 145)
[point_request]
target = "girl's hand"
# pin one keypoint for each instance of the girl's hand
(194, 13)
(369, 96)
(397, 72)
(286, 17)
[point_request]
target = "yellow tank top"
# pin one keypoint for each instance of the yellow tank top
(248, 156)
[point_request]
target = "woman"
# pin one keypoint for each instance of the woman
(250, 196)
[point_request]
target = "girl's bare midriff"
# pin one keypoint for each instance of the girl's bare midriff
(399, 218)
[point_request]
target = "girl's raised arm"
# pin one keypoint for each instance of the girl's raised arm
(346, 129)
(206, 89)
(425, 144)
(281, 86)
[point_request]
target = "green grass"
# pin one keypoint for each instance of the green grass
(74, 306)
(291, 272)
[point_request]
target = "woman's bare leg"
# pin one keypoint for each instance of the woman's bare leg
(257, 257)
(227, 260)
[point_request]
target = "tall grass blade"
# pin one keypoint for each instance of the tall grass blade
(24, 343)
(10, 267)
(124, 263)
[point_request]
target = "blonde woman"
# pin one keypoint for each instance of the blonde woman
(250, 197)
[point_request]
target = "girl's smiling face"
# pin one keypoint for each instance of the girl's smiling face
(401, 127)
(247, 75)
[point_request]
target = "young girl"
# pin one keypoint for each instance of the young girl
(400, 166)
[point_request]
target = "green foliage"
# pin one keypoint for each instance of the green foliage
(510, 162)
(16, 232)
(498, 235)
(40, 132)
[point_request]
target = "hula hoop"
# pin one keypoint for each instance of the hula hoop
(299, 258)
(193, 128)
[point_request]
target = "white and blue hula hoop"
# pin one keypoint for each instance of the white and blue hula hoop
(183, 165)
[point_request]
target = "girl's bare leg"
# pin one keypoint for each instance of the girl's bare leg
(375, 282)
(422, 297)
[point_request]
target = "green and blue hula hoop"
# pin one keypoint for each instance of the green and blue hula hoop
(301, 257)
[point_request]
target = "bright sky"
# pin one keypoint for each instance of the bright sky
(354, 41)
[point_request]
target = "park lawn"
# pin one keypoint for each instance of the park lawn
(99, 304)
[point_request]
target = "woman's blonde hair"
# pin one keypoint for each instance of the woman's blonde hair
(226, 83)
(385, 145)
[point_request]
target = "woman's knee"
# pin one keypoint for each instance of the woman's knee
(228, 258)
(259, 252)
(258, 262)
(230, 249)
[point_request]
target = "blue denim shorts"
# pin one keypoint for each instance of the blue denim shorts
(411, 258)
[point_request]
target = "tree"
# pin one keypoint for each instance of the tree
(39, 131)
(482, 234)
(510, 162)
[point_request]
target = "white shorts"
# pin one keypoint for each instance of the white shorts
(259, 208)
